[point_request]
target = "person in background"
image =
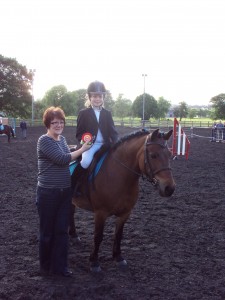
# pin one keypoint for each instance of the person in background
(219, 125)
(94, 119)
(220, 130)
(1, 125)
(54, 196)
(23, 127)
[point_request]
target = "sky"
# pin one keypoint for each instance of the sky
(178, 44)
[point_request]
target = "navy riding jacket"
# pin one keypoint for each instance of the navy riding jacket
(87, 122)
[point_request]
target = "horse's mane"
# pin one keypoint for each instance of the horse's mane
(110, 149)
(129, 137)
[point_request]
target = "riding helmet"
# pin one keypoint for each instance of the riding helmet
(96, 87)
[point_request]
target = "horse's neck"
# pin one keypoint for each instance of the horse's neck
(129, 152)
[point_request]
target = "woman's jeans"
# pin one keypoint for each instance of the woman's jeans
(54, 207)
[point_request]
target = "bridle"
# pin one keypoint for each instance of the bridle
(149, 172)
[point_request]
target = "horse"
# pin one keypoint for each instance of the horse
(114, 190)
(8, 131)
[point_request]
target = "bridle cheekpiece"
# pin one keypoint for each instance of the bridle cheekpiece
(149, 172)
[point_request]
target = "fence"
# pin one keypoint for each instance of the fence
(148, 124)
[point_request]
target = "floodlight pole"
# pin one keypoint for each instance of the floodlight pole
(32, 94)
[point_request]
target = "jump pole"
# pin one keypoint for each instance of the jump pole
(181, 144)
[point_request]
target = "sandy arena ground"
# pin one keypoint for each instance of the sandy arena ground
(175, 248)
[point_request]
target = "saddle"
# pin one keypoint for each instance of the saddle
(92, 170)
(96, 163)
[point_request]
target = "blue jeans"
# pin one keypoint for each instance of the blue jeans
(54, 207)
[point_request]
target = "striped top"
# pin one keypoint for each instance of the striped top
(53, 162)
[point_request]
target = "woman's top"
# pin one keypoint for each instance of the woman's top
(53, 162)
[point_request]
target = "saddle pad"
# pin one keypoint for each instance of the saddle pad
(99, 164)
(73, 165)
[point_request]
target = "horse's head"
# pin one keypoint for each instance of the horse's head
(157, 162)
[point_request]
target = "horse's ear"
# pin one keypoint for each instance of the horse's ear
(154, 135)
(168, 135)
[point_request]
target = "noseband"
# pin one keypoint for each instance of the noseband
(149, 172)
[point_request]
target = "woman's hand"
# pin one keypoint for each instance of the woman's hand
(77, 153)
(87, 145)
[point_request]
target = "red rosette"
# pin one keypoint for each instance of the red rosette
(86, 137)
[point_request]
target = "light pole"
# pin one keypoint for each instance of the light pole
(143, 107)
(32, 71)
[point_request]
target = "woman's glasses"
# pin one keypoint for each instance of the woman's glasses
(58, 123)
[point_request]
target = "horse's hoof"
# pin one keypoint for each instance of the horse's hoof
(122, 263)
(95, 268)
(75, 240)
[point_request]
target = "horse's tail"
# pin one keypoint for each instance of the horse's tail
(12, 132)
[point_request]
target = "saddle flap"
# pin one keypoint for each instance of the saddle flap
(72, 166)
(94, 172)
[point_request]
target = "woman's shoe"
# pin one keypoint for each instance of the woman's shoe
(67, 273)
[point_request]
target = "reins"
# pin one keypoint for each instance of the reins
(125, 166)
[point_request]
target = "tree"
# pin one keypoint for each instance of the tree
(68, 103)
(218, 105)
(15, 88)
(181, 110)
(54, 96)
(109, 102)
(192, 113)
(203, 113)
(58, 96)
(122, 107)
(39, 109)
(163, 107)
(80, 96)
(150, 107)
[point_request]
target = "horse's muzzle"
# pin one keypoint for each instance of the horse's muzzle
(166, 190)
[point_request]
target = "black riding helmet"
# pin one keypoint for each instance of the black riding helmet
(96, 87)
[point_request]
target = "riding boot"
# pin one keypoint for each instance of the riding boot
(77, 179)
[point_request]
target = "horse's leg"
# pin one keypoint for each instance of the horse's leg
(72, 228)
(100, 219)
(8, 137)
(117, 239)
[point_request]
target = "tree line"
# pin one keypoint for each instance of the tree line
(16, 99)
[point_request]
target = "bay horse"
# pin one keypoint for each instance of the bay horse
(116, 185)
(8, 131)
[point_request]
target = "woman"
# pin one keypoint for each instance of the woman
(54, 193)
(94, 119)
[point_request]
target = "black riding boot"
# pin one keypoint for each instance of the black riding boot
(77, 178)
